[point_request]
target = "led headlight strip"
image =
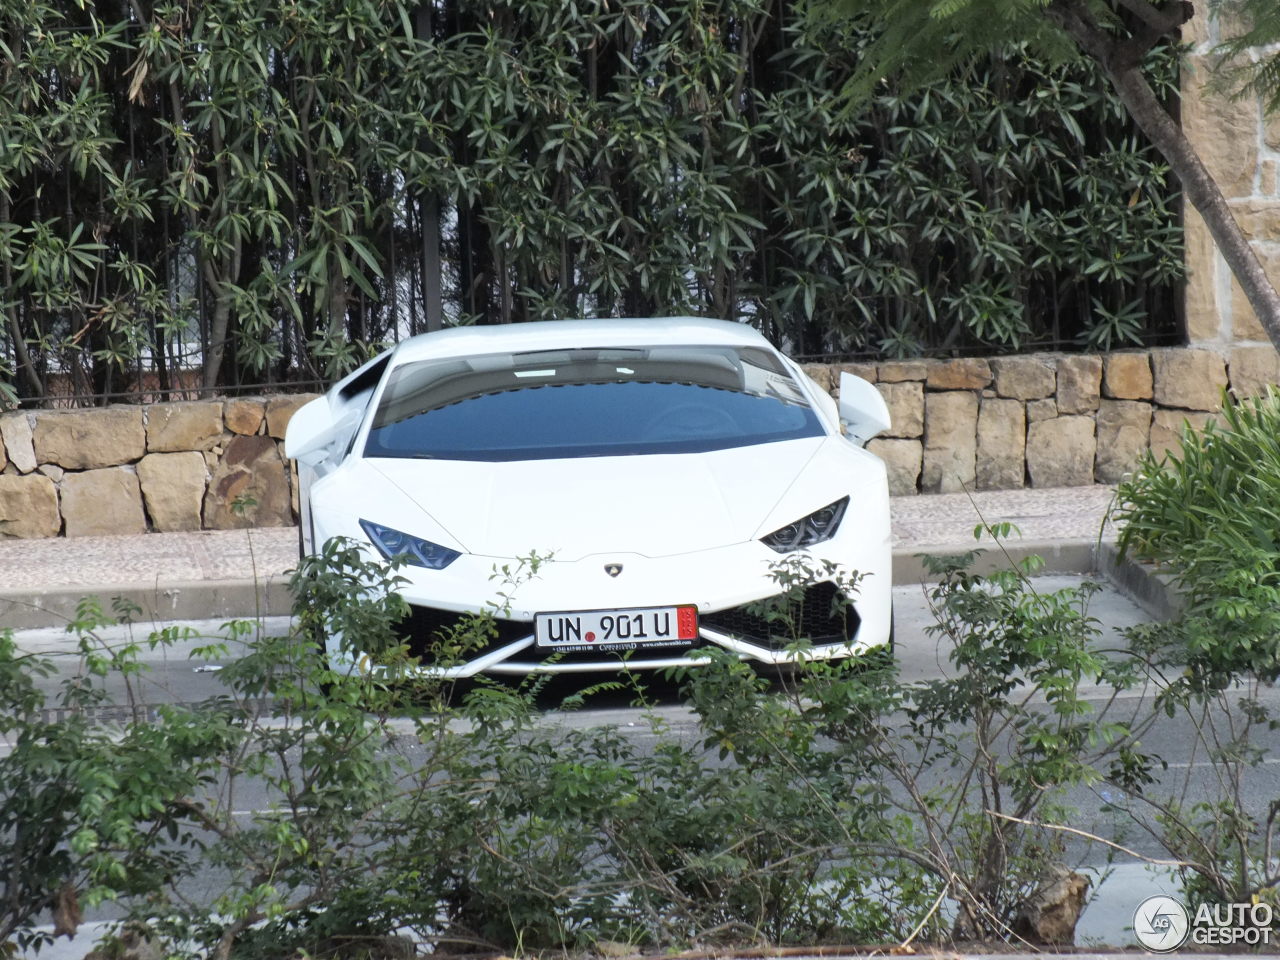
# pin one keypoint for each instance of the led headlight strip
(394, 544)
(816, 527)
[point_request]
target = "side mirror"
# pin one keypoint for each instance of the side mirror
(311, 432)
(863, 412)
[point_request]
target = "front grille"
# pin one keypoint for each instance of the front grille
(425, 627)
(819, 614)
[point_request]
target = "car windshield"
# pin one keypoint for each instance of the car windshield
(589, 403)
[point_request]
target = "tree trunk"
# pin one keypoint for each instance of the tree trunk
(10, 313)
(1122, 65)
(429, 212)
(1203, 192)
(217, 345)
(338, 296)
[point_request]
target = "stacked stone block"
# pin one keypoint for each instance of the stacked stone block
(165, 467)
(1046, 420)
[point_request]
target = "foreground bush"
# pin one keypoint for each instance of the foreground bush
(943, 788)
(316, 812)
(1208, 514)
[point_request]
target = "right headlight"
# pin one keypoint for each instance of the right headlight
(392, 543)
(816, 527)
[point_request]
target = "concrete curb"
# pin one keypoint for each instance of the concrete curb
(177, 600)
(1060, 556)
(1153, 590)
(214, 599)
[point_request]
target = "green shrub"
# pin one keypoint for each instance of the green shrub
(1209, 515)
(88, 782)
(844, 806)
(948, 788)
(269, 188)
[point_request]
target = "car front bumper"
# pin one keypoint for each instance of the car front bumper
(726, 584)
(720, 582)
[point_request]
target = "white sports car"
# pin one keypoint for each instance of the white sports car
(664, 465)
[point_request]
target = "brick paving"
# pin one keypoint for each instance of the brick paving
(948, 519)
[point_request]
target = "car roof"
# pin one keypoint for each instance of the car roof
(567, 334)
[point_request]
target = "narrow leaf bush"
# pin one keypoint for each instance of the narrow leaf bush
(1208, 513)
(241, 190)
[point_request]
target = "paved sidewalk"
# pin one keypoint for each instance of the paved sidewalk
(1071, 514)
(214, 573)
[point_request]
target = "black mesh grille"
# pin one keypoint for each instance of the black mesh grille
(820, 614)
(424, 625)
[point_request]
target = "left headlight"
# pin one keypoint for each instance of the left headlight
(414, 550)
(816, 527)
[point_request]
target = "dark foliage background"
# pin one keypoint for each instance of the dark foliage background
(219, 194)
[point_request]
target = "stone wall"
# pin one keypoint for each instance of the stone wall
(1045, 420)
(211, 465)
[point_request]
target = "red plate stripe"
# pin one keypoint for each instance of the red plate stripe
(687, 622)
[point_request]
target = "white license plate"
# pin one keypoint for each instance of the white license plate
(613, 629)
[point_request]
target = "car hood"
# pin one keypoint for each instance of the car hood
(652, 505)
